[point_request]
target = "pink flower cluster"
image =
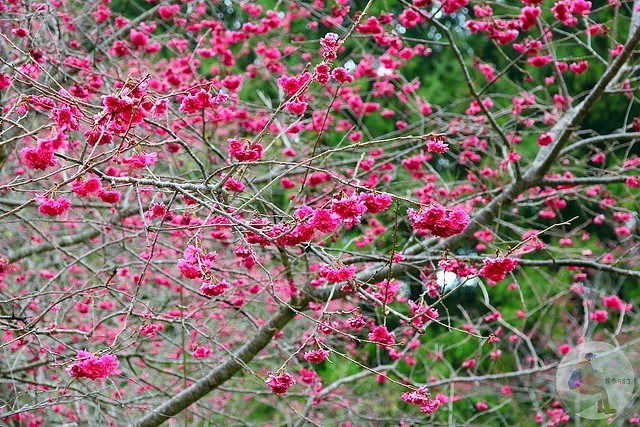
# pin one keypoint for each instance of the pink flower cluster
(291, 85)
(382, 336)
(39, 157)
(545, 139)
(436, 144)
(496, 269)
(93, 185)
(323, 73)
(308, 221)
(422, 397)
(120, 114)
(422, 313)
(438, 220)
(42, 155)
(109, 196)
(452, 6)
(599, 316)
(93, 367)
(565, 10)
(330, 44)
(140, 161)
(214, 288)
(195, 262)
(528, 17)
(616, 303)
(52, 207)
(350, 209)
(296, 106)
(201, 100)
(83, 187)
(341, 75)
(279, 383)
(337, 274)
(202, 352)
(158, 210)
(242, 151)
(316, 356)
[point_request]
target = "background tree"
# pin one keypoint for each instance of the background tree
(324, 213)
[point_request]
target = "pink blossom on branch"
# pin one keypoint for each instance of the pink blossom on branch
(375, 202)
(545, 139)
(350, 209)
(93, 367)
(316, 356)
(436, 144)
(330, 44)
(438, 220)
(280, 383)
(162, 154)
(338, 274)
(215, 288)
(496, 269)
(381, 335)
(242, 151)
(422, 398)
(40, 157)
(84, 187)
(52, 207)
(196, 262)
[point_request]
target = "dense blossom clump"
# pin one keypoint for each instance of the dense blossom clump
(84, 187)
(291, 85)
(496, 269)
(214, 288)
(120, 113)
(452, 6)
(422, 398)
(158, 210)
(438, 220)
(296, 106)
(142, 160)
(242, 151)
(52, 207)
(316, 356)
(337, 274)
(325, 220)
(614, 302)
(39, 157)
(200, 100)
(280, 383)
(109, 196)
(381, 335)
(376, 203)
(350, 209)
(330, 44)
(196, 263)
(93, 367)
(341, 75)
(545, 139)
(436, 144)
(599, 316)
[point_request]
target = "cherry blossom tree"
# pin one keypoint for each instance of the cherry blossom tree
(333, 212)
